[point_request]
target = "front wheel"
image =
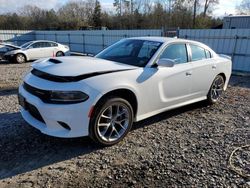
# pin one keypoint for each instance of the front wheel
(216, 89)
(112, 120)
(20, 58)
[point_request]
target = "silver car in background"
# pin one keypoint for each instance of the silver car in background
(5, 47)
(35, 50)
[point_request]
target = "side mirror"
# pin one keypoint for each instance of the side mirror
(164, 62)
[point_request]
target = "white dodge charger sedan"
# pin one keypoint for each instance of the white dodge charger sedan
(127, 82)
(36, 49)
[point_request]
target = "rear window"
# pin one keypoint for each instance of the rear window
(52, 44)
(198, 53)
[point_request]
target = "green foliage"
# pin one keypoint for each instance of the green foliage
(131, 14)
(97, 22)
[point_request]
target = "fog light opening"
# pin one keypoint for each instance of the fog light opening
(64, 125)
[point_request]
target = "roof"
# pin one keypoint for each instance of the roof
(163, 39)
(42, 41)
(158, 39)
(169, 40)
(238, 16)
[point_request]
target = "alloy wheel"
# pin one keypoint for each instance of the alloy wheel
(59, 54)
(113, 122)
(217, 88)
(20, 58)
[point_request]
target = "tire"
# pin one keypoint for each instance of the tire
(59, 54)
(20, 58)
(111, 121)
(215, 90)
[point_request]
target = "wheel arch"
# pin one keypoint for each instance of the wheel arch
(25, 56)
(124, 93)
(223, 75)
(59, 50)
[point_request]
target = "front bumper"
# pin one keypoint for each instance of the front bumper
(74, 115)
(8, 57)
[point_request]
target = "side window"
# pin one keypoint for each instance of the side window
(53, 44)
(208, 54)
(46, 44)
(37, 45)
(198, 53)
(176, 52)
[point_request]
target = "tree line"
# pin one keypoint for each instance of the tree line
(128, 14)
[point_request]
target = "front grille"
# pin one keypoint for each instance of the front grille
(34, 112)
(42, 94)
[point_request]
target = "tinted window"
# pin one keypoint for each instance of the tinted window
(51, 44)
(131, 51)
(42, 45)
(176, 52)
(198, 53)
(37, 45)
(48, 44)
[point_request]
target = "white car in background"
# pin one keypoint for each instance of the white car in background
(5, 47)
(129, 81)
(35, 50)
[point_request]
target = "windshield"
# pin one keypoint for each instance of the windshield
(131, 52)
(25, 45)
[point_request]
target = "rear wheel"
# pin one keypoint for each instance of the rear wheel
(58, 54)
(216, 89)
(20, 58)
(112, 120)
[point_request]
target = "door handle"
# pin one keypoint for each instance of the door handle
(188, 73)
(214, 67)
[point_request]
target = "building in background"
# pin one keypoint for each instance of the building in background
(236, 22)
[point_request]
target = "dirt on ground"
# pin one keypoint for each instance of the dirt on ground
(186, 147)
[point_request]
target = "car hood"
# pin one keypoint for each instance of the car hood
(78, 66)
(10, 45)
(14, 51)
(13, 46)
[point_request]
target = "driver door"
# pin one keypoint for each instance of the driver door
(175, 82)
(35, 51)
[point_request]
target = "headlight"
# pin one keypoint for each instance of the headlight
(65, 97)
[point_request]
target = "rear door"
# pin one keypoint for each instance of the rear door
(203, 71)
(50, 49)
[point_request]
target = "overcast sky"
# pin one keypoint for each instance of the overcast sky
(225, 6)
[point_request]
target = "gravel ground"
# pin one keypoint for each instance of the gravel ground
(185, 147)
